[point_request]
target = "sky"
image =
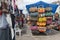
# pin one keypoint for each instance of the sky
(32, 1)
(22, 3)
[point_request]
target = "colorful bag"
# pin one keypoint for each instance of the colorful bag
(34, 27)
(49, 20)
(48, 8)
(41, 23)
(42, 19)
(34, 14)
(33, 18)
(33, 9)
(42, 29)
(41, 10)
(48, 14)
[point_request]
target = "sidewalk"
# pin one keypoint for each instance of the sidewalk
(54, 35)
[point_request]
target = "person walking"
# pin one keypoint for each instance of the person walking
(5, 33)
(12, 19)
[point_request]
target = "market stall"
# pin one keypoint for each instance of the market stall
(41, 16)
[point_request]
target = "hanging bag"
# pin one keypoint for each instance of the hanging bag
(33, 9)
(41, 9)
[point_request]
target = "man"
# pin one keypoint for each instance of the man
(12, 19)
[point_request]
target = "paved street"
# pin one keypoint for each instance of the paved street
(54, 35)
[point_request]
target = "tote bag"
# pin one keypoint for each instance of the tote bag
(3, 21)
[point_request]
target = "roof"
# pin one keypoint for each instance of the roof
(54, 6)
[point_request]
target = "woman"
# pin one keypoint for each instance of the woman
(22, 16)
(5, 33)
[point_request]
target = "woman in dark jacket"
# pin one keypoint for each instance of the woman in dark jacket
(22, 16)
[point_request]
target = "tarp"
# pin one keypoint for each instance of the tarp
(53, 6)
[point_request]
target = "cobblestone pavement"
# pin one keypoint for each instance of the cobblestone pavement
(54, 35)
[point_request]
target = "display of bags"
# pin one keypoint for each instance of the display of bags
(43, 17)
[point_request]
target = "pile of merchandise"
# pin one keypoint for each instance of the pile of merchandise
(42, 19)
